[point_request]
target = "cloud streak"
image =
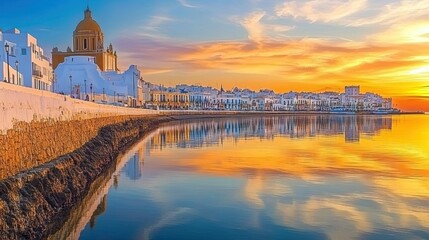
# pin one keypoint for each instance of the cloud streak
(153, 28)
(322, 10)
(259, 31)
(185, 3)
(393, 13)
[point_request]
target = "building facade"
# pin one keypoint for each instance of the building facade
(23, 61)
(168, 99)
(80, 77)
(352, 90)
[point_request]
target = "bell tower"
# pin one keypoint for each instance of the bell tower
(88, 36)
(88, 40)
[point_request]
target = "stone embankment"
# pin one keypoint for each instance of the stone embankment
(37, 126)
(31, 144)
(35, 203)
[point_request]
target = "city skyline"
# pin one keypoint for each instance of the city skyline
(281, 45)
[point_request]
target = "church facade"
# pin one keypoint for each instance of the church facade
(88, 40)
(90, 72)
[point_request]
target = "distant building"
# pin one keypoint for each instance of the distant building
(168, 98)
(28, 66)
(208, 98)
(88, 40)
(352, 90)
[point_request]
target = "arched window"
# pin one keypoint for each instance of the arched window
(85, 43)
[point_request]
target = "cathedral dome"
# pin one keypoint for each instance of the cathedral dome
(88, 24)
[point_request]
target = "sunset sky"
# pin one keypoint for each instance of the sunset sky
(382, 45)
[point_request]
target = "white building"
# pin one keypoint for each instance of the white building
(352, 90)
(80, 77)
(28, 66)
(199, 97)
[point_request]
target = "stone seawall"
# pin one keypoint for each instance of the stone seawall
(37, 126)
(35, 203)
(30, 144)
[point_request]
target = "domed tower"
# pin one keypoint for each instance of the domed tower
(88, 40)
(88, 37)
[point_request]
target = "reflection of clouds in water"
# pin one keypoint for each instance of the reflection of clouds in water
(341, 212)
(255, 188)
(171, 218)
(337, 219)
(252, 192)
(407, 187)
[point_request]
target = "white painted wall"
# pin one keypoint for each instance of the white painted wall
(18, 103)
(25, 49)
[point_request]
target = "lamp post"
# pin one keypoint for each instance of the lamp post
(17, 72)
(6, 47)
(114, 96)
(85, 86)
(90, 88)
(134, 89)
(71, 86)
(103, 95)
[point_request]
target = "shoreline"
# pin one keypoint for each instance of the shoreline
(214, 112)
(36, 203)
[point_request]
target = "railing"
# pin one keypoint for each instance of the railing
(37, 73)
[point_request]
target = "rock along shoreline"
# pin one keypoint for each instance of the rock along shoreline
(35, 203)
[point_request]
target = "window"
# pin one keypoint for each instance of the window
(23, 51)
(85, 43)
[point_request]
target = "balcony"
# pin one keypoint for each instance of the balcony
(37, 73)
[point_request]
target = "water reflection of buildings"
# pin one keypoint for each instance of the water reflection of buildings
(133, 168)
(213, 132)
(95, 203)
(101, 208)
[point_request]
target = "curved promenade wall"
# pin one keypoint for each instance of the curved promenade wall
(22, 104)
(38, 126)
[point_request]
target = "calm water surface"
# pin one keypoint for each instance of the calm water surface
(286, 177)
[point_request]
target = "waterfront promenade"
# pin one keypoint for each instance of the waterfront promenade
(38, 126)
(55, 146)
